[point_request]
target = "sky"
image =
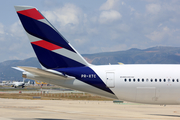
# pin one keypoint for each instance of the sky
(94, 26)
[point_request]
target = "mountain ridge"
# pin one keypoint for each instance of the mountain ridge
(153, 55)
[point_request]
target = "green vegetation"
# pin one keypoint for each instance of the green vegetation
(53, 96)
(30, 88)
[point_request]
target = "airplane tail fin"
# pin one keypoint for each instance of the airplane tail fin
(29, 82)
(51, 48)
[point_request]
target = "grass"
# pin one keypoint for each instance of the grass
(54, 96)
(27, 88)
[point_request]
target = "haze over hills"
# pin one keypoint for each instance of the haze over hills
(154, 55)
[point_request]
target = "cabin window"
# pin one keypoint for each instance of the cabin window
(151, 80)
(168, 80)
(129, 80)
(159, 80)
(138, 80)
(142, 80)
(146, 80)
(164, 80)
(125, 80)
(173, 80)
(155, 80)
(134, 80)
(177, 80)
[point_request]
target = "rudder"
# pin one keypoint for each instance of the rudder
(51, 48)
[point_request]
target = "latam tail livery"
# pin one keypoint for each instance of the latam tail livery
(62, 65)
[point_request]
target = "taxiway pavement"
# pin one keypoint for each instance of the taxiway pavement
(19, 109)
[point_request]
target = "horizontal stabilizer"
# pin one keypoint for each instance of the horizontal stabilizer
(18, 69)
(46, 74)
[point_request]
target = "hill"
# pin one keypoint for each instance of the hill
(154, 55)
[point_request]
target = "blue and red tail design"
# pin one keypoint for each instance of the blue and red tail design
(53, 51)
(51, 48)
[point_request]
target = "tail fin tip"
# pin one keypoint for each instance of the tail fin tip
(51, 48)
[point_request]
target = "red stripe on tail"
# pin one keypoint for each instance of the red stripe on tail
(32, 13)
(46, 45)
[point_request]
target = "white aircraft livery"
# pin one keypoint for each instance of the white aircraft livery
(62, 65)
(20, 84)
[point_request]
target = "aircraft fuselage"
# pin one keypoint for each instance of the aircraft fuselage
(150, 84)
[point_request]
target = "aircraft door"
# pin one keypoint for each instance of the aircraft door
(110, 79)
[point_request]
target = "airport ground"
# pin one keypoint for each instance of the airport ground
(73, 105)
(20, 109)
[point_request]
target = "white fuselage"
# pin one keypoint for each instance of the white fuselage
(150, 84)
(18, 84)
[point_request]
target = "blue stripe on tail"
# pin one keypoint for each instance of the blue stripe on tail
(52, 60)
(87, 75)
(43, 31)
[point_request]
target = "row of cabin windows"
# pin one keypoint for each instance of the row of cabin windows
(155, 80)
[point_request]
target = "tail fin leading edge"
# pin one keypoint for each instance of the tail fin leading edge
(51, 48)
